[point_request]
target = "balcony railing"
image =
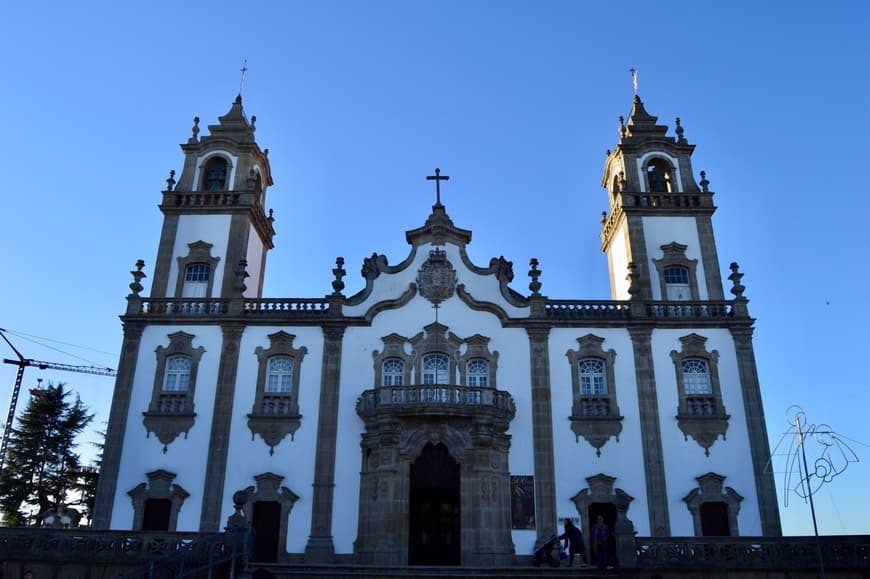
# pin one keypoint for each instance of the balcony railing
(683, 310)
(587, 310)
(435, 399)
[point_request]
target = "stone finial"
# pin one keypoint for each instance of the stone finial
(253, 123)
(271, 219)
(237, 521)
(622, 129)
(603, 218)
(534, 273)
(705, 184)
(252, 179)
(241, 273)
(138, 276)
(607, 152)
(170, 183)
(679, 131)
(338, 272)
(266, 153)
(737, 288)
(633, 281)
(194, 137)
(622, 182)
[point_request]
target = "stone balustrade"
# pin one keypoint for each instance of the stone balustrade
(689, 310)
(435, 399)
(587, 310)
(286, 307)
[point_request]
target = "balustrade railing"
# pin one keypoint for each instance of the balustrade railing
(594, 406)
(707, 553)
(432, 396)
(287, 306)
(683, 310)
(586, 310)
(172, 403)
(701, 406)
(183, 306)
(276, 405)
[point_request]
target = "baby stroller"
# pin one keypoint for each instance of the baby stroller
(544, 553)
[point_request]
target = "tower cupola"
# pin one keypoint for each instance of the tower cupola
(214, 217)
(659, 218)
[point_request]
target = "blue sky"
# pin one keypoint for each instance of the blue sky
(516, 101)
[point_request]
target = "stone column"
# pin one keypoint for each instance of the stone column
(216, 465)
(320, 548)
(758, 441)
(542, 433)
(108, 481)
(650, 432)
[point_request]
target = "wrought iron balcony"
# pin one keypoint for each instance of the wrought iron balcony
(435, 400)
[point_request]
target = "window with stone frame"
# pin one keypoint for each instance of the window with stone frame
(659, 176)
(393, 372)
(392, 365)
(594, 412)
(196, 271)
(678, 280)
(275, 413)
(435, 355)
(436, 368)
(171, 411)
(478, 365)
(714, 507)
(700, 413)
(215, 174)
(156, 504)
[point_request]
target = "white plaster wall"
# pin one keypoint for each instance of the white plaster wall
(293, 458)
(255, 261)
(481, 287)
(660, 231)
(685, 459)
(576, 459)
(212, 229)
(186, 457)
(618, 257)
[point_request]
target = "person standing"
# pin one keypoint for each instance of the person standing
(599, 535)
(574, 542)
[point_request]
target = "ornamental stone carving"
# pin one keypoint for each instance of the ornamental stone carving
(436, 279)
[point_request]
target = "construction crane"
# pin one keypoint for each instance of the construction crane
(23, 363)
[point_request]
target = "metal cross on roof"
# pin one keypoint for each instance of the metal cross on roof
(437, 177)
(243, 70)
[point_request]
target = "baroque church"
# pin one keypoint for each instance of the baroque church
(355, 428)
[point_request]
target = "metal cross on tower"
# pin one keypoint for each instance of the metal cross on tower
(243, 70)
(437, 177)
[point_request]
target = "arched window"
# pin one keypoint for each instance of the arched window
(477, 373)
(696, 377)
(279, 375)
(658, 176)
(677, 285)
(436, 369)
(177, 377)
(393, 372)
(215, 174)
(196, 277)
(593, 381)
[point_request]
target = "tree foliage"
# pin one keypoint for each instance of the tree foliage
(42, 467)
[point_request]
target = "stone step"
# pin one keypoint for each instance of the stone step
(292, 571)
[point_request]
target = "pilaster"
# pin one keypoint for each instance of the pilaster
(650, 432)
(216, 465)
(709, 257)
(320, 548)
(108, 481)
(758, 441)
(542, 433)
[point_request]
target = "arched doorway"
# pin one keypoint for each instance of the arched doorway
(434, 524)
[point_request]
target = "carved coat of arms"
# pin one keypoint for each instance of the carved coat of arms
(436, 279)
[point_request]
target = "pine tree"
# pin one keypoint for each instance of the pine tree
(42, 466)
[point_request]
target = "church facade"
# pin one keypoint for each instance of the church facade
(376, 428)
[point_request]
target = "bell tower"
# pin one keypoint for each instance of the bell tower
(213, 216)
(659, 218)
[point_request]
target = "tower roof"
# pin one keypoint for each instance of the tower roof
(641, 123)
(234, 124)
